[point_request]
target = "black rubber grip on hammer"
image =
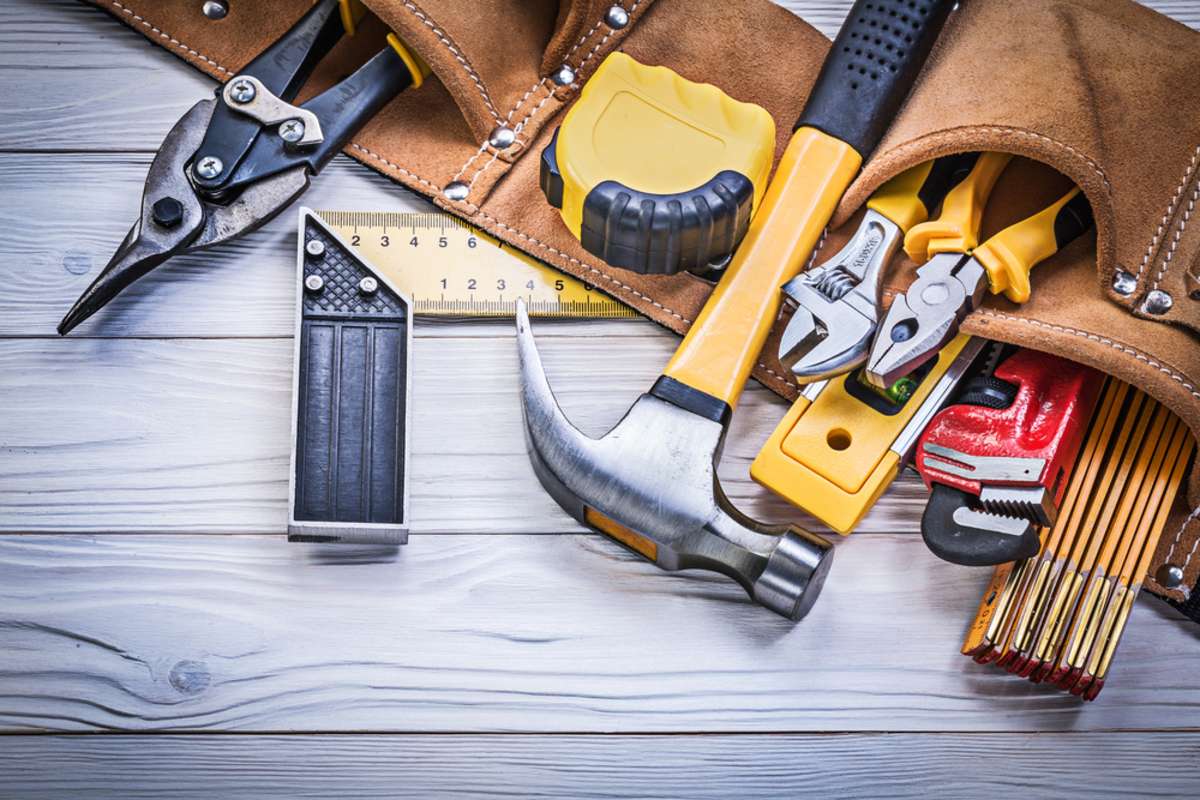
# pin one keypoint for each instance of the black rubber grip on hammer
(871, 67)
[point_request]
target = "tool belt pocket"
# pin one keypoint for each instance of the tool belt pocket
(1102, 94)
(508, 67)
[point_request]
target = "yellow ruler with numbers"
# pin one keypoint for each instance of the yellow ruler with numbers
(451, 269)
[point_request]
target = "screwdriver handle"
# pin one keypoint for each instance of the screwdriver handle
(956, 230)
(910, 197)
(870, 68)
(1011, 254)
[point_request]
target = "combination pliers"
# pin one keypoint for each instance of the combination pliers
(957, 270)
(234, 162)
(836, 305)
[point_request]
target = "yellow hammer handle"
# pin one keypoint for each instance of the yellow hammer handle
(723, 343)
(1011, 254)
(956, 230)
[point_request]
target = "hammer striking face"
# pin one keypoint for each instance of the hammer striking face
(651, 483)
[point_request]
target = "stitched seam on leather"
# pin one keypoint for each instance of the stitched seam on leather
(482, 148)
(1162, 225)
(169, 38)
(483, 169)
(533, 111)
(397, 167)
(588, 267)
(1187, 215)
(1139, 355)
(443, 37)
(812, 259)
(632, 9)
(1179, 537)
(1004, 130)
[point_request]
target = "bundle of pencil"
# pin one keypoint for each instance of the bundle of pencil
(1058, 617)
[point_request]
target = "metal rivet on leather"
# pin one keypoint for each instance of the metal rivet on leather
(456, 190)
(1169, 576)
(501, 137)
(215, 9)
(563, 76)
(1158, 302)
(616, 17)
(1123, 283)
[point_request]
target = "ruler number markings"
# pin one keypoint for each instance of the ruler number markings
(449, 268)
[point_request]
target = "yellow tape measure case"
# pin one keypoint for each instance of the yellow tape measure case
(655, 173)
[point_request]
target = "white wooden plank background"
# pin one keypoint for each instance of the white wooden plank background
(168, 418)
(898, 767)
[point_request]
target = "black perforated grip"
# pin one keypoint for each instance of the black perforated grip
(872, 65)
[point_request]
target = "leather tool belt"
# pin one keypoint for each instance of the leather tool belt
(1099, 92)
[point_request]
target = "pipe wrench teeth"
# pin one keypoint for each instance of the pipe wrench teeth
(998, 467)
(1033, 503)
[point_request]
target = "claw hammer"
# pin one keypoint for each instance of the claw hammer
(651, 481)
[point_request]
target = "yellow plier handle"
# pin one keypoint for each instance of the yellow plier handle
(956, 230)
(1011, 254)
(909, 198)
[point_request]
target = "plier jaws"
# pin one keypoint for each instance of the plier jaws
(175, 219)
(923, 319)
(232, 163)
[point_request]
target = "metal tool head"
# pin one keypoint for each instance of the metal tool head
(923, 319)
(175, 219)
(171, 217)
(837, 304)
(654, 476)
(956, 531)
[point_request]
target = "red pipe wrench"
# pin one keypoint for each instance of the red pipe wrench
(998, 459)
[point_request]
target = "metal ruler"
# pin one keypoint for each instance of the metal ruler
(451, 269)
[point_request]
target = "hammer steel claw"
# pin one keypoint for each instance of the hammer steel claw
(651, 483)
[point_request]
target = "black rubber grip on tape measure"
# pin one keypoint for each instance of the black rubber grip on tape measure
(657, 234)
(873, 63)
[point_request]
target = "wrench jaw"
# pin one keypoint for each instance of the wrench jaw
(651, 483)
(818, 357)
(957, 533)
(836, 304)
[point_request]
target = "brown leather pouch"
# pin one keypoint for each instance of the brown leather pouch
(1101, 91)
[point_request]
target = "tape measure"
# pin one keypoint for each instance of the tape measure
(654, 173)
(451, 269)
